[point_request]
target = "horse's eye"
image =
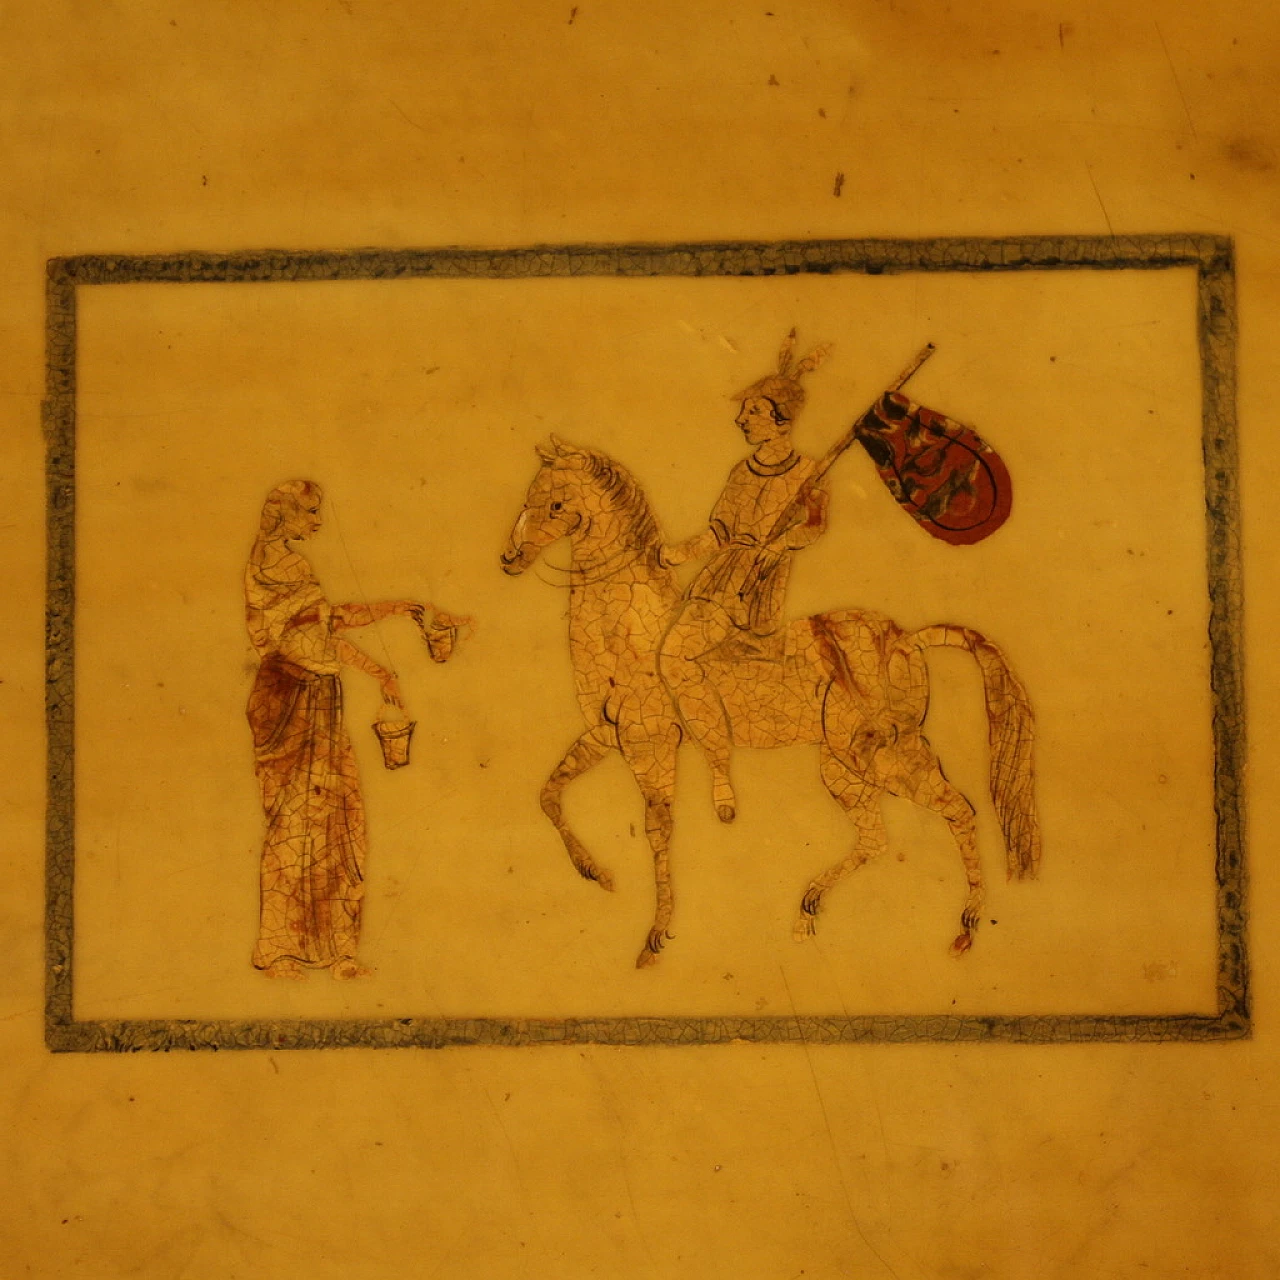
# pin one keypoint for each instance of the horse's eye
(556, 506)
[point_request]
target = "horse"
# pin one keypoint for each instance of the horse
(852, 681)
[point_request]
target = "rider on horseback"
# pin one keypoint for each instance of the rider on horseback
(768, 510)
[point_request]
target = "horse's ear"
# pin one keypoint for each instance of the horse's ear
(547, 455)
(563, 448)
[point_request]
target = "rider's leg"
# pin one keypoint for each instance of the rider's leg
(697, 629)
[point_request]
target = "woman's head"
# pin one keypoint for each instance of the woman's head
(292, 510)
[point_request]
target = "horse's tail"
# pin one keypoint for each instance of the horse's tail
(1011, 730)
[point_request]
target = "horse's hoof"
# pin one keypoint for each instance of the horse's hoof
(646, 959)
(597, 875)
(962, 944)
(722, 797)
(805, 927)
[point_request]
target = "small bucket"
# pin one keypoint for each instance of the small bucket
(441, 637)
(395, 742)
(441, 634)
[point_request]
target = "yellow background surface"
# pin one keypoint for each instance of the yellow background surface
(145, 128)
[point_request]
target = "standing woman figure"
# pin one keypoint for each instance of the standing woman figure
(313, 854)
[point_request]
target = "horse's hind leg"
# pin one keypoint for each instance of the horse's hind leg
(589, 749)
(919, 778)
(860, 799)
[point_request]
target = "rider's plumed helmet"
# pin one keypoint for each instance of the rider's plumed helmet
(784, 387)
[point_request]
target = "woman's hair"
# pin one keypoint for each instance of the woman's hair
(283, 501)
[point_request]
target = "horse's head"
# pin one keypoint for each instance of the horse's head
(552, 507)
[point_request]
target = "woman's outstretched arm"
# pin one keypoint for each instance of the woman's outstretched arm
(361, 661)
(347, 616)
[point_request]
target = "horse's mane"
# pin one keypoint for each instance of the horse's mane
(623, 495)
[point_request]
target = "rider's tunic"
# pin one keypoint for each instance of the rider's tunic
(744, 577)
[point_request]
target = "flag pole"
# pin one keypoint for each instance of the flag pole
(785, 520)
(824, 464)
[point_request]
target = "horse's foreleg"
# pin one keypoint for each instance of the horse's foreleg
(657, 826)
(589, 749)
(654, 766)
(860, 799)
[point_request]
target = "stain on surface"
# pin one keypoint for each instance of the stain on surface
(839, 185)
(1249, 154)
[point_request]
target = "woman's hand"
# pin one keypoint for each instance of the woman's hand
(391, 689)
(415, 609)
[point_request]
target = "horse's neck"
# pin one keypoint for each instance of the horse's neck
(613, 577)
(609, 548)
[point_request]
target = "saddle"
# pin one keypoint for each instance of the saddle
(747, 646)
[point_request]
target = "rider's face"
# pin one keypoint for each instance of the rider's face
(756, 421)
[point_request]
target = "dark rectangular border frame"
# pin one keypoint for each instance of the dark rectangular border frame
(1211, 256)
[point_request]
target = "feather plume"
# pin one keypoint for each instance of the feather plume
(784, 355)
(812, 360)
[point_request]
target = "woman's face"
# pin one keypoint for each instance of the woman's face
(302, 520)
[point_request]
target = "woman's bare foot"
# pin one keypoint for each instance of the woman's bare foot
(347, 968)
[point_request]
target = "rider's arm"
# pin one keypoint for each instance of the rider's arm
(721, 527)
(811, 522)
(695, 548)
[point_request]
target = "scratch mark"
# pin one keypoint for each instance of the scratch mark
(404, 117)
(1218, 222)
(831, 1137)
(1177, 83)
(22, 1013)
(515, 1155)
(839, 184)
(1111, 230)
(447, 1256)
(607, 1097)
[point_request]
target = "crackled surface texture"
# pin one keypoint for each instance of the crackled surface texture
(719, 661)
(670, 641)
